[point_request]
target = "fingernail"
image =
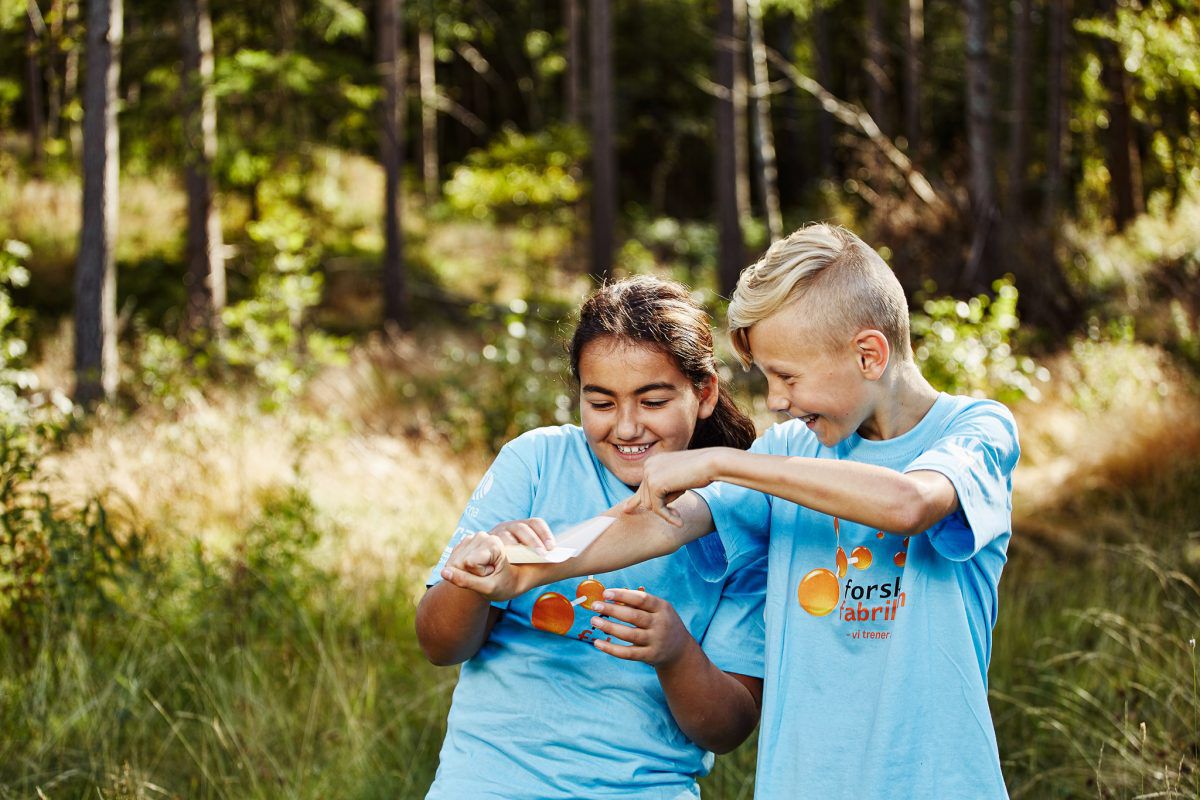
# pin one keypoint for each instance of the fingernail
(594, 619)
(446, 574)
(609, 595)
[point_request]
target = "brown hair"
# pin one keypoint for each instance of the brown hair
(661, 314)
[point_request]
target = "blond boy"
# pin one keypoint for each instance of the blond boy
(884, 508)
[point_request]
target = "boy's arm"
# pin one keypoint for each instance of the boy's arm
(891, 501)
(635, 537)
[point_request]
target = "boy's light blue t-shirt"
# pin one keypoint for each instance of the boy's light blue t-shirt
(876, 683)
(541, 713)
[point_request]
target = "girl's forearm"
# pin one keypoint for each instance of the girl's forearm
(453, 623)
(714, 709)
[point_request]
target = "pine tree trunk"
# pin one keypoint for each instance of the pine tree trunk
(1056, 114)
(95, 274)
(205, 278)
(396, 303)
(876, 66)
(54, 24)
(429, 133)
(914, 49)
(37, 118)
(821, 45)
(979, 141)
(1124, 164)
(573, 22)
(1020, 85)
(741, 92)
(764, 137)
(71, 69)
(731, 245)
(604, 156)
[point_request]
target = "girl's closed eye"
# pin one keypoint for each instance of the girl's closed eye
(656, 403)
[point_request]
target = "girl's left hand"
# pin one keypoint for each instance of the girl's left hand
(658, 636)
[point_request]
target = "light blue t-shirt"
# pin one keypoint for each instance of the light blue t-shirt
(540, 712)
(878, 645)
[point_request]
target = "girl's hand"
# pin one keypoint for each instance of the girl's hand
(657, 637)
(478, 563)
(534, 533)
(665, 476)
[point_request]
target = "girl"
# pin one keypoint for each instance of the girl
(617, 685)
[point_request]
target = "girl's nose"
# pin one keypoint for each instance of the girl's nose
(628, 425)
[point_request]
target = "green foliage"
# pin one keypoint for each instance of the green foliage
(20, 402)
(531, 179)
(513, 382)
(966, 346)
(268, 336)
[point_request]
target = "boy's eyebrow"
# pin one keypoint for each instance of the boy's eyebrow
(649, 387)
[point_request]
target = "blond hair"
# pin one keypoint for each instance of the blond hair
(834, 280)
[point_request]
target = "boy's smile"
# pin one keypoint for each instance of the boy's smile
(829, 390)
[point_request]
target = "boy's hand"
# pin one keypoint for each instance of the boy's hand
(657, 637)
(668, 475)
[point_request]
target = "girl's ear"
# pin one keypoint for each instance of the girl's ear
(873, 352)
(709, 394)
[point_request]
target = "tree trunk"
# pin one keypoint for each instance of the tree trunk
(37, 118)
(741, 91)
(731, 245)
(824, 65)
(1124, 164)
(979, 142)
(1019, 122)
(914, 53)
(573, 21)
(205, 279)
(876, 67)
(396, 310)
(95, 274)
(1056, 114)
(604, 156)
(429, 133)
(71, 69)
(54, 39)
(764, 137)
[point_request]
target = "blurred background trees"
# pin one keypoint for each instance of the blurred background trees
(377, 216)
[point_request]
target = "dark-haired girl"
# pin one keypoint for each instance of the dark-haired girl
(621, 684)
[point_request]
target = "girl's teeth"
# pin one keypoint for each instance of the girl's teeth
(633, 450)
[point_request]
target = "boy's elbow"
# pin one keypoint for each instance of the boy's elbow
(916, 509)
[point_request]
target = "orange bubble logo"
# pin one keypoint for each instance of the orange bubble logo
(878, 534)
(842, 563)
(589, 591)
(818, 592)
(554, 613)
(900, 558)
(861, 557)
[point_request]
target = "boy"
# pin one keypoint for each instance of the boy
(884, 508)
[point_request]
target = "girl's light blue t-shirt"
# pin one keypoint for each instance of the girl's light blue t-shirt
(878, 645)
(541, 713)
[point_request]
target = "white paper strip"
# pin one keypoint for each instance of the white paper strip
(568, 544)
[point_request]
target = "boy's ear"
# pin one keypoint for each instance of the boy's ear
(873, 352)
(709, 393)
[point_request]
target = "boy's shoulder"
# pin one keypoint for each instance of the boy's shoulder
(962, 412)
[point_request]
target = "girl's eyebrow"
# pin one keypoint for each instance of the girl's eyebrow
(649, 387)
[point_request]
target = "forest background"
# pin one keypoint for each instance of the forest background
(277, 279)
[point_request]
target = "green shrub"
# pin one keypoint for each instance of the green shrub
(528, 178)
(967, 347)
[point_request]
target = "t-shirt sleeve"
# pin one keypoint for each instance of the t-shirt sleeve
(736, 637)
(505, 492)
(741, 518)
(977, 453)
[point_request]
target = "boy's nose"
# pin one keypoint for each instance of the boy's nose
(778, 403)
